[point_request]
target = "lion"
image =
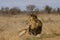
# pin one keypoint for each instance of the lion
(34, 26)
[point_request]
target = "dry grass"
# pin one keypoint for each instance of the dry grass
(10, 26)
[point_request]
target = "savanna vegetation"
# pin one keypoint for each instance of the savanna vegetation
(12, 20)
(29, 9)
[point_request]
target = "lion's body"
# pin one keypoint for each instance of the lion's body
(35, 25)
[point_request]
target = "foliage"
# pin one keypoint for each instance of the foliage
(58, 10)
(48, 9)
(31, 8)
(14, 10)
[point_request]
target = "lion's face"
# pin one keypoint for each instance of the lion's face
(33, 18)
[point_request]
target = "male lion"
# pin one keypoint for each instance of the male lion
(35, 25)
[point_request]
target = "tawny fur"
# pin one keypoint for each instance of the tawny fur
(34, 26)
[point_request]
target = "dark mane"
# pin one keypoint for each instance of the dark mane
(33, 15)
